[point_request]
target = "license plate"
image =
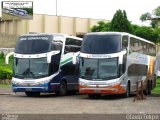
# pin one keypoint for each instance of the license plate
(97, 91)
(28, 89)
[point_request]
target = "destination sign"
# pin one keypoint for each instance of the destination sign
(35, 38)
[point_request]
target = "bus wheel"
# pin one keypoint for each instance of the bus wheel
(127, 94)
(94, 96)
(32, 94)
(148, 91)
(63, 89)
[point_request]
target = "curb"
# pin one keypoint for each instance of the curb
(6, 93)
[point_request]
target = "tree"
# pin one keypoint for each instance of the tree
(120, 22)
(146, 32)
(157, 11)
(145, 16)
(102, 26)
(148, 16)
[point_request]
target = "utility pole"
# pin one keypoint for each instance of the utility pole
(56, 7)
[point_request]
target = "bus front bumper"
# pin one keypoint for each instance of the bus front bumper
(45, 88)
(97, 89)
(30, 89)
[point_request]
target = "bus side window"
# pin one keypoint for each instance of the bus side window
(56, 46)
(72, 45)
(124, 42)
(67, 49)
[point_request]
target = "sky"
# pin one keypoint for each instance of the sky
(96, 9)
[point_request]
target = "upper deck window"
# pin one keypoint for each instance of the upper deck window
(34, 44)
(101, 44)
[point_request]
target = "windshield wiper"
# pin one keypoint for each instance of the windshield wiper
(27, 72)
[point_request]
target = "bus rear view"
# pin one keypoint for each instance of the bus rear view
(104, 63)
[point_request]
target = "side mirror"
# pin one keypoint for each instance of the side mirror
(75, 59)
(50, 55)
(7, 57)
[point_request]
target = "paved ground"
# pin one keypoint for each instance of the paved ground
(19, 103)
(76, 107)
(5, 91)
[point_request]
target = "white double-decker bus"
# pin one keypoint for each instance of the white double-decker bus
(21, 12)
(43, 64)
(113, 63)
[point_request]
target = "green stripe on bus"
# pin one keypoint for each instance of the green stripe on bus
(65, 61)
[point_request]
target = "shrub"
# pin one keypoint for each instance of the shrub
(5, 73)
(1, 55)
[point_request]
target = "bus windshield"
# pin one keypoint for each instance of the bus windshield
(99, 69)
(101, 44)
(30, 68)
(34, 44)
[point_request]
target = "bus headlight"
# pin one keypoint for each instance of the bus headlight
(82, 83)
(14, 82)
(43, 82)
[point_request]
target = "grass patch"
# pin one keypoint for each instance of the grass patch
(5, 85)
(157, 89)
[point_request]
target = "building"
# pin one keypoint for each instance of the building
(48, 24)
(41, 23)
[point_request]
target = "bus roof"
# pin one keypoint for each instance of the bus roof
(119, 33)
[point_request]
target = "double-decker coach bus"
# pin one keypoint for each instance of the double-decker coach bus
(11, 11)
(21, 12)
(43, 63)
(113, 63)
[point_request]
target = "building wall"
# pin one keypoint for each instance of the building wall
(21, 27)
(37, 24)
(2, 28)
(48, 24)
(82, 25)
(51, 25)
(66, 25)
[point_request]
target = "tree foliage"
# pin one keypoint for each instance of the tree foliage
(148, 16)
(120, 22)
(101, 26)
(146, 32)
(157, 11)
(145, 16)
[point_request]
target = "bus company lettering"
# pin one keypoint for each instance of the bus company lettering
(34, 38)
(101, 56)
(141, 59)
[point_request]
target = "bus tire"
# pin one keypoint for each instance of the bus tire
(94, 96)
(127, 93)
(63, 89)
(32, 94)
(148, 87)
